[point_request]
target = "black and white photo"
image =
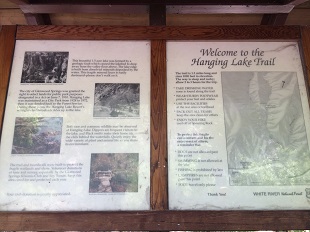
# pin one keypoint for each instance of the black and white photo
(117, 100)
(45, 67)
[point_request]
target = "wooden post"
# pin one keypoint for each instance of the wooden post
(7, 43)
(159, 168)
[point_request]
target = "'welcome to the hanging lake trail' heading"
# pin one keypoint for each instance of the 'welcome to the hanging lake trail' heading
(242, 58)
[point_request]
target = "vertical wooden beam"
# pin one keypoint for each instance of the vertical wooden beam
(7, 43)
(38, 19)
(157, 15)
(305, 36)
(159, 177)
(274, 19)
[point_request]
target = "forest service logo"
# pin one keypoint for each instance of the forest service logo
(307, 192)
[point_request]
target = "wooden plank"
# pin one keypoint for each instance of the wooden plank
(217, 19)
(159, 168)
(228, 9)
(296, 17)
(12, 17)
(165, 2)
(306, 50)
(6, 4)
(173, 9)
(299, 17)
(16, 17)
(100, 19)
(158, 32)
(7, 43)
(156, 220)
(88, 9)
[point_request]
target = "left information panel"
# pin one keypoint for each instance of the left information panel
(76, 127)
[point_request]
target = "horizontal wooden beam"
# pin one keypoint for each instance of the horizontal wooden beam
(157, 32)
(156, 220)
(164, 2)
(175, 9)
(16, 17)
(225, 9)
(87, 9)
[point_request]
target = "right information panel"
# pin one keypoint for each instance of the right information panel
(238, 126)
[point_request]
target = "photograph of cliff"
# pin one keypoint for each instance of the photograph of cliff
(117, 100)
(37, 135)
(45, 67)
(266, 137)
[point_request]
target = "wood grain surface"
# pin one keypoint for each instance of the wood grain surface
(15, 16)
(7, 43)
(157, 32)
(159, 168)
(7, 4)
(157, 220)
(168, 2)
(10, 14)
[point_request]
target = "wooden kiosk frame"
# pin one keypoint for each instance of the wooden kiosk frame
(159, 217)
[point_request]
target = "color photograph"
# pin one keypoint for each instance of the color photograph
(114, 172)
(37, 135)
